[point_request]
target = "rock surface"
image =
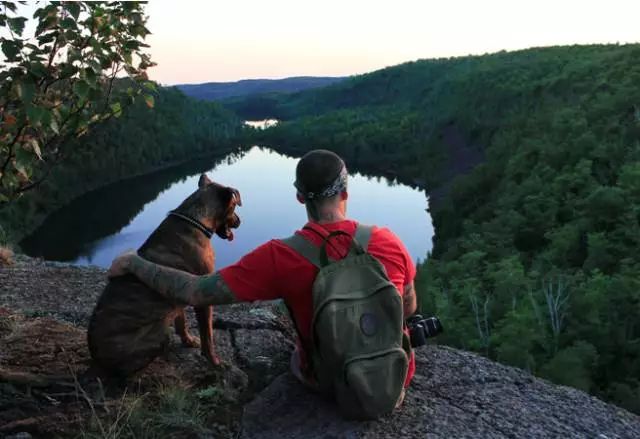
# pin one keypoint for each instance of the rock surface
(454, 394)
(39, 288)
(44, 310)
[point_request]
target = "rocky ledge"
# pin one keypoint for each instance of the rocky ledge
(45, 391)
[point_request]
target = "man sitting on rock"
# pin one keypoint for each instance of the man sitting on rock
(287, 269)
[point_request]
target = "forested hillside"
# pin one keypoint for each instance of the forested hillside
(534, 160)
(215, 91)
(178, 128)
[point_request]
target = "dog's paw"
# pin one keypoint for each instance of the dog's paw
(213, 359)
(191, 342)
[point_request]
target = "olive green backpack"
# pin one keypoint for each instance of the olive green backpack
(359, 353)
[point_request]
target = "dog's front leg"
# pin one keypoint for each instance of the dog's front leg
(204, 315)
(180, 324)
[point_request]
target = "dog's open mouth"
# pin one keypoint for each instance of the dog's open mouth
(225, 230)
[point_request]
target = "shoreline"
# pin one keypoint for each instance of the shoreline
(17, 237)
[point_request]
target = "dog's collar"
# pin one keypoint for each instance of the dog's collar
(195, 223)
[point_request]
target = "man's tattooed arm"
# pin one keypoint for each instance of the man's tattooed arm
(179, 285)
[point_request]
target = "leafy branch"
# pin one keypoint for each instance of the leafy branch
(84, 63)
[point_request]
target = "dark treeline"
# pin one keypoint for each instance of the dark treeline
(178, 128)
(533, 159)
(364, 138)
(216, 91)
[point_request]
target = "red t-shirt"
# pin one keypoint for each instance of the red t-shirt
(275, 271)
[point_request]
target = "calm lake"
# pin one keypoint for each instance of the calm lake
(98, 226)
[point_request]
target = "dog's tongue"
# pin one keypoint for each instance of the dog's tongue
(229, 235)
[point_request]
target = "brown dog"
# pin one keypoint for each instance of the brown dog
(128, 327)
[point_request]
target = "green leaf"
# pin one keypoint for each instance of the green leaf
(73, 8)
(23, 159)
(116, 109)
(95, 45)
(54, 126)
(74, 55)
(38, 69)
(139, 30)
(10, 6)
(46, 117)
(11, 49)
(67, 23)
(46, 38)
(95, 65)
(90, 76)
(17, 24)
(97, 10)
(128, 7)
(22, 170)
(149, 100)
(67, 71)
(132, 45)
(26, 89)
(36, 147)
(149, 85)
(81, 89)
(49, 9)
(34, 48)
(49, 22)
(34, 114)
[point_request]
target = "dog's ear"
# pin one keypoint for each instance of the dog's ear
(236, 196)
(231, 196)
(204, 180)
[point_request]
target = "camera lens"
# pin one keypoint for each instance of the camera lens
(418, 336)
(420, 329)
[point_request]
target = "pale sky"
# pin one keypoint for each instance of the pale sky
(199, 41)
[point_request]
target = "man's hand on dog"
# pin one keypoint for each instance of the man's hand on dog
(120, 265)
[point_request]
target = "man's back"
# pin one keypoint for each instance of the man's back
(274, 271)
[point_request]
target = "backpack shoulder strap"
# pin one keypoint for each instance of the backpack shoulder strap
(363, 235)
(313, 254)
(304, 248)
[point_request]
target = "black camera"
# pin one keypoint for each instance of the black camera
(420, 329)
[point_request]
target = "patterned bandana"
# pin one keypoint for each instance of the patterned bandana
(338, 185)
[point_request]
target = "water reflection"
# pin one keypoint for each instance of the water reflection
(261, 124)
(75, 232)
(98, 226)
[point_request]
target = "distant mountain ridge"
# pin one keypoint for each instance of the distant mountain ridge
(214, 91)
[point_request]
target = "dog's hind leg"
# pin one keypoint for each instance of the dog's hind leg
(180, 324)
(205, 325)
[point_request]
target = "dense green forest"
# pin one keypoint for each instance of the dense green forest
(179, 128)
(532, 160)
